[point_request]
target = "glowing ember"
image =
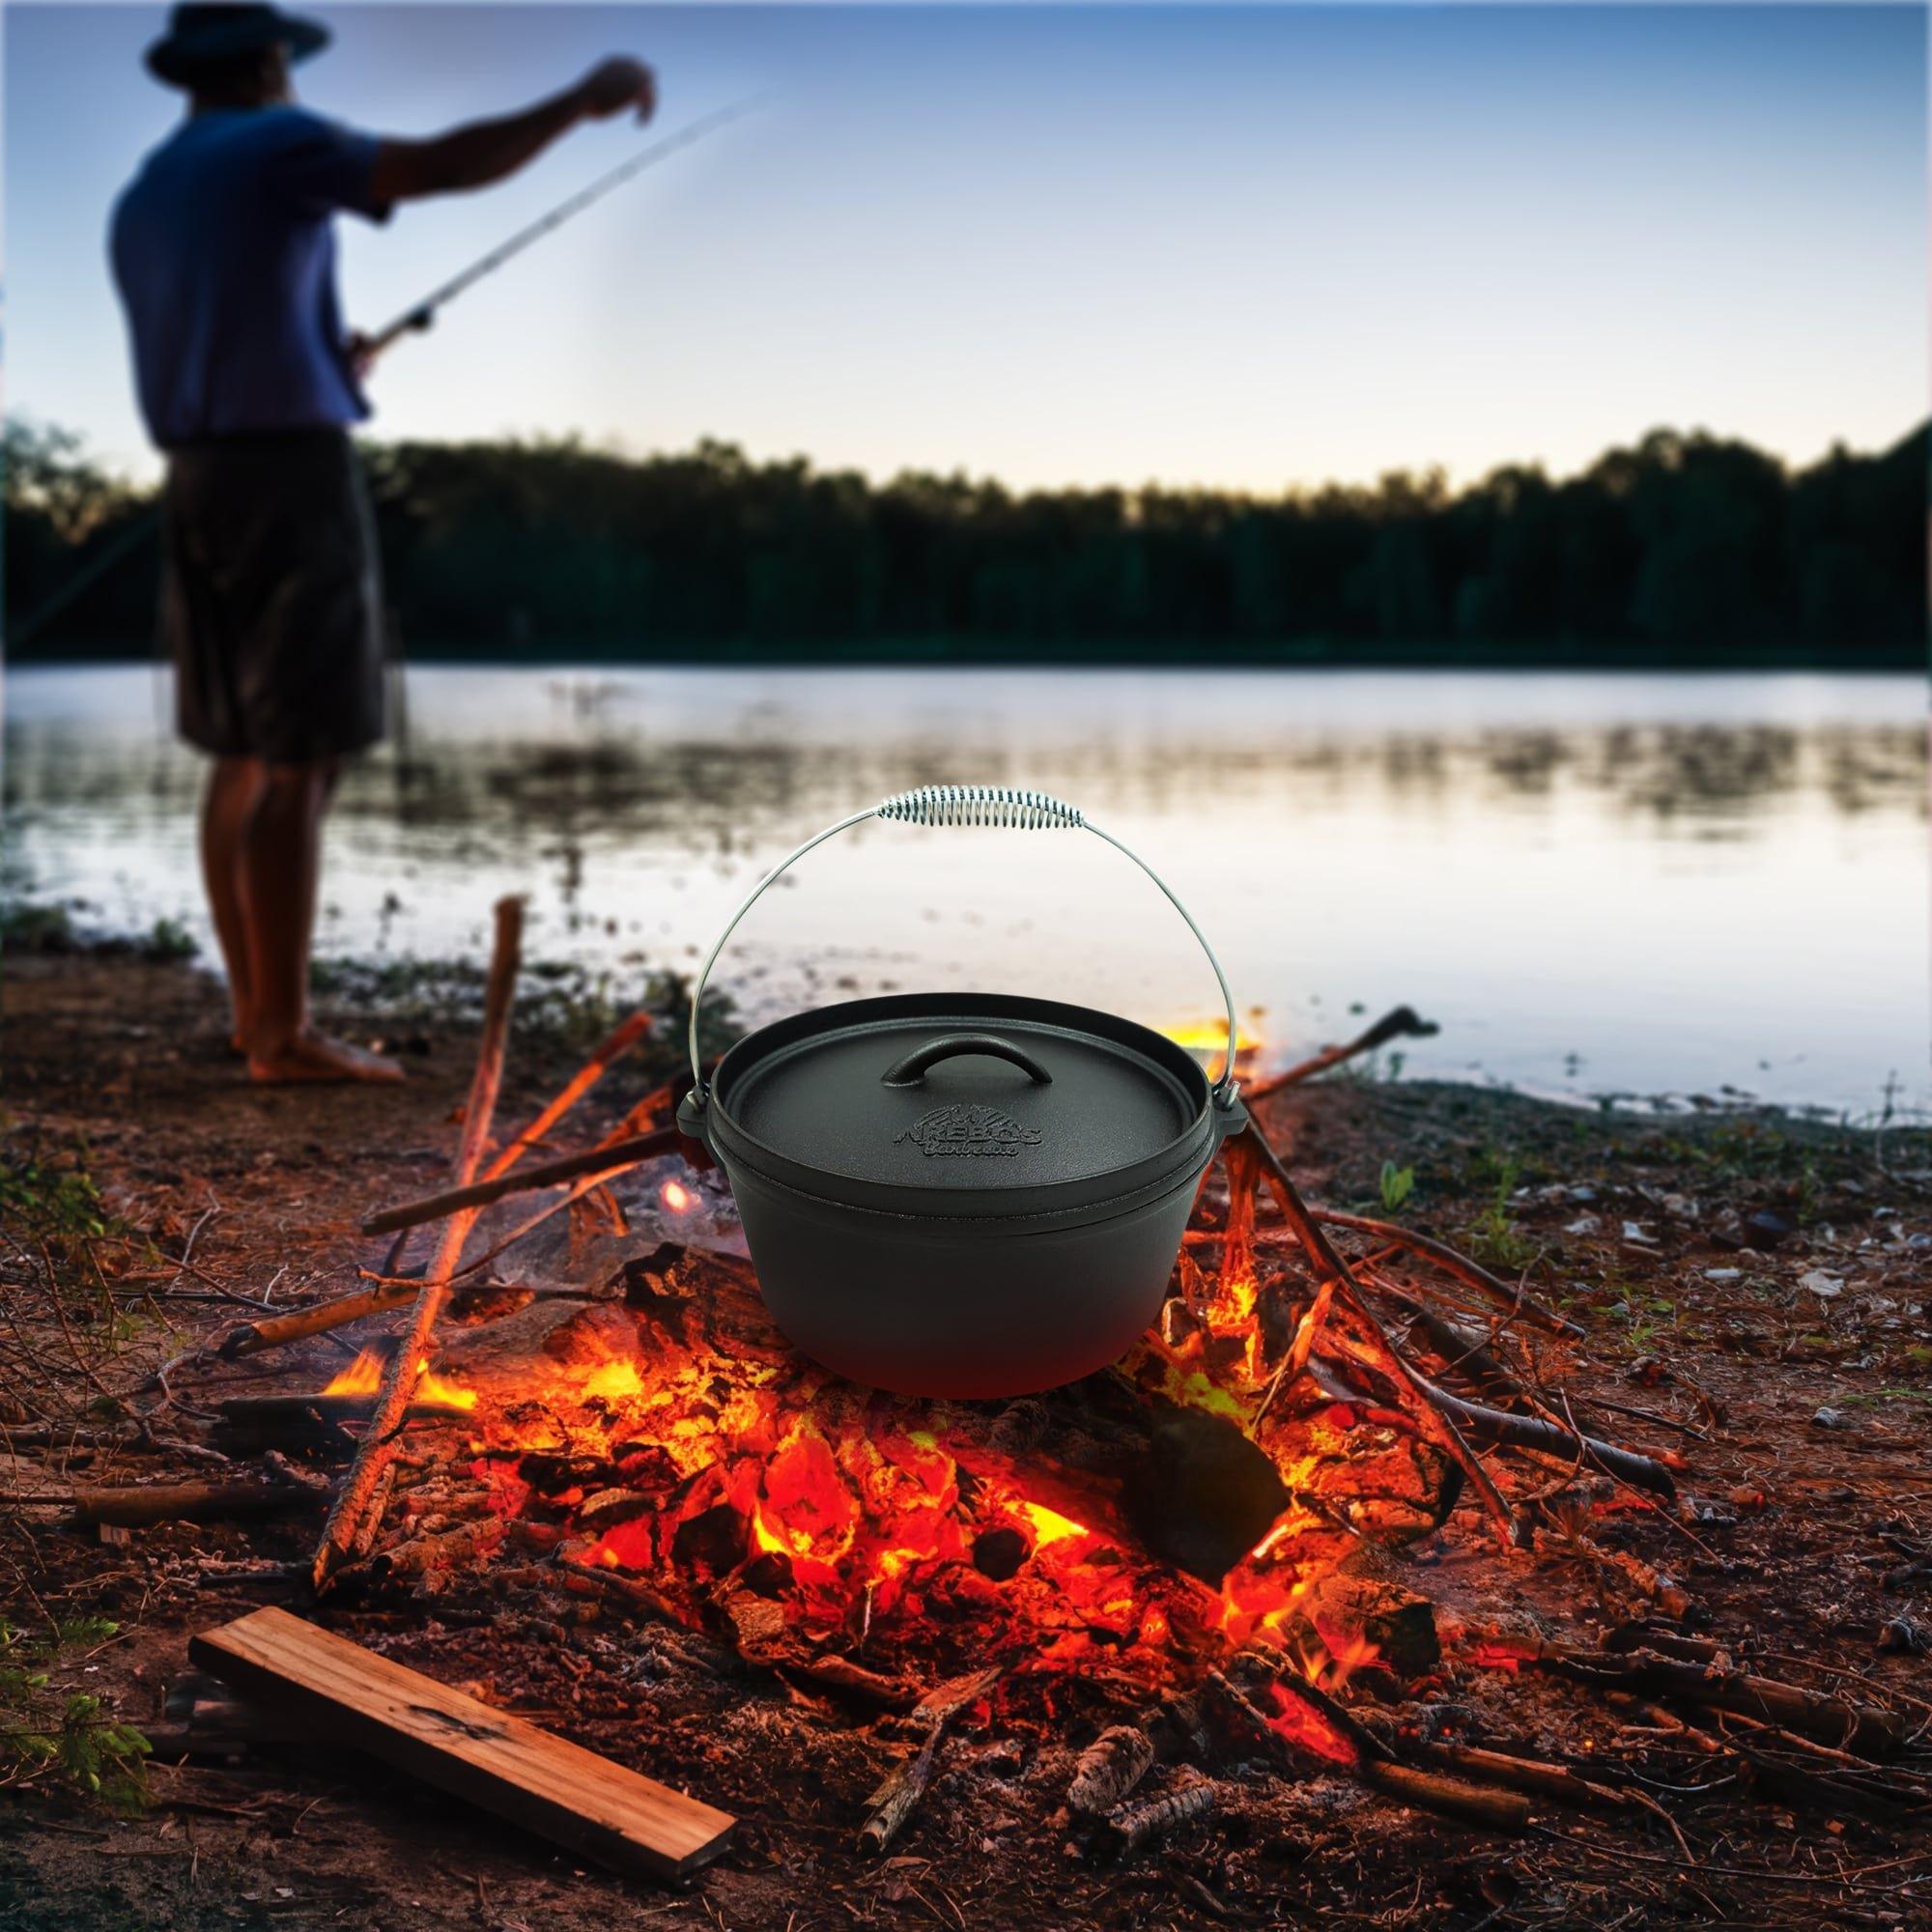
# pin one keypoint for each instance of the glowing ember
(364, 1377)
(614, 1382)
(1049, 1526)
(677, 1198)
(675, 1435)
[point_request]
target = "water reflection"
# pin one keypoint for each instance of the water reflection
(1596, 882)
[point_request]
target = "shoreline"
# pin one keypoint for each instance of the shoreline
(968, 657)
(563, 1001)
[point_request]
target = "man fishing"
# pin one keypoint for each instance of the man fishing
(224, 255)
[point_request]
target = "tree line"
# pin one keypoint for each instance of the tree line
(1685, 549)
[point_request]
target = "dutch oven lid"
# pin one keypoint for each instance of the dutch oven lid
(962, 1104)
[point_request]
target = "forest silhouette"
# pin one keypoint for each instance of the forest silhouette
(1683, 551)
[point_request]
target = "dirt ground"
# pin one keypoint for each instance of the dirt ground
(1756, 1296)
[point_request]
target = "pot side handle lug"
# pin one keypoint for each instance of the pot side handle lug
(693, 1117)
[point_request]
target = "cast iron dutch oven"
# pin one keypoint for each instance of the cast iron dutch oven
(961, 1194)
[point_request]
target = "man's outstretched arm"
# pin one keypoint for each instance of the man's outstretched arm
(483, 152)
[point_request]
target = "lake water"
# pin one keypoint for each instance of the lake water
(1633, 885)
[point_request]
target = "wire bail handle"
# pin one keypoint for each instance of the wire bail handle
(1002, 805)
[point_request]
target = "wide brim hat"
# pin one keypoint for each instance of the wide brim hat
(205, 36)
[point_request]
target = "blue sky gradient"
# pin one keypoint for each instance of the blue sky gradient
(1247, 246)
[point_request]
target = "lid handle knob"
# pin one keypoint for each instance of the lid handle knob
(912, 1070)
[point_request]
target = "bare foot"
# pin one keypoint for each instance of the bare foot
(317, 1056)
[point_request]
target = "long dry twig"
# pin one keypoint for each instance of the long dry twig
(603, 1161)
(1334, 1276)
(357, 1511)
(382, 1294)
(1402, 1023)
(610, 1050)
(1472, 1274)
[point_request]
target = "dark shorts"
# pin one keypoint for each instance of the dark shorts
(272, 597)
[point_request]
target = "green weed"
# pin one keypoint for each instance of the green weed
(68, 1739)
(52, 1200)
(1398, 1183)
(1493, 1235)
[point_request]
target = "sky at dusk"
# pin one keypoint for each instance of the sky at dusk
(1250, 247)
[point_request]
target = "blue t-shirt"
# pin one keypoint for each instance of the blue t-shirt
(224, 254)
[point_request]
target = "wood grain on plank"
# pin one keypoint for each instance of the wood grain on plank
(457, 1743)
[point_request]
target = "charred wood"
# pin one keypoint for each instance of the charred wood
(1192, 1795)
(1108, 1769)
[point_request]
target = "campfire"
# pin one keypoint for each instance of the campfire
(1201, 1509)
(1183, 1564)
(671, 1435)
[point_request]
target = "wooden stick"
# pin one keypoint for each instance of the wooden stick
(1237, 1242)
(614, 1047)
(146, 1503)
(252, 1337)
(1528, 1774)
(1109, 1768)
(1472, 1274)
(353, 1520)
(1863, 1728)
(1362, 1752)
(268, 1410)
(653, 1103)
(1466, 1351)
(300, 1323)
(599, 1160)
(1378, 1767)
(1402, 1023)
(1327, 1261)
(1191, 1795)
(1481, 1804)
(898, 1793)
(1550, 1438)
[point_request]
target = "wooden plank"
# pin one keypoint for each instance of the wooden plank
(460, 1745)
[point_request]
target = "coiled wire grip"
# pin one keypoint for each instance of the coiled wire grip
(952, 804)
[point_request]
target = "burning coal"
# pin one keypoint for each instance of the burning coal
(669, 1435)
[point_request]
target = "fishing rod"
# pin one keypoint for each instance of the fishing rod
(418, 318)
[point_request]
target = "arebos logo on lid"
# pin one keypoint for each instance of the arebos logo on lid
(965, 1129)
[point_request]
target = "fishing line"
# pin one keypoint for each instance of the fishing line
(423, 313)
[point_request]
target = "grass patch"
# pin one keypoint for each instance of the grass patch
(53, 1200)
(59, 1239)
(1494, 1237)
(67, 1740)
(47, 929)
(1871, 1398)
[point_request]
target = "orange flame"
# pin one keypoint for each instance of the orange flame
(1210, 1038)
(364, 1377)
